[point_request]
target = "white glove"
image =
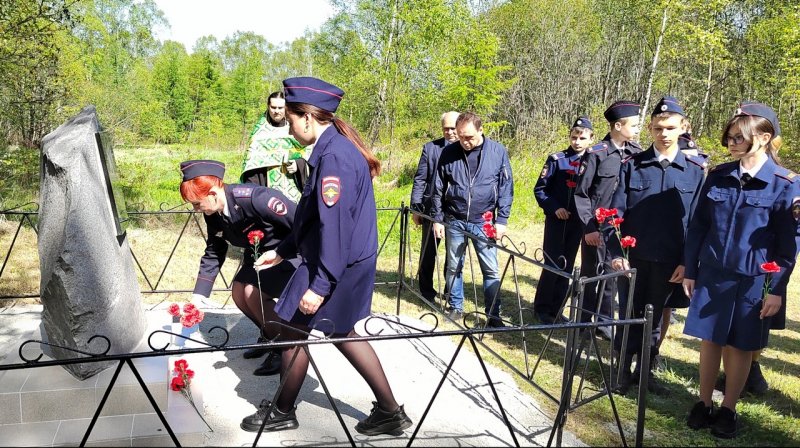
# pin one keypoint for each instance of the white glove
(291, 166)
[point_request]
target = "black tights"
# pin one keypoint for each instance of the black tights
(247, 299)
(360, 355)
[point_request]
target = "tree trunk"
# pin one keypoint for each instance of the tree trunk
(655, 64)
(707, 94)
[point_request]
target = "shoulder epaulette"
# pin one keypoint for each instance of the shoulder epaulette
(697, 160)
(635, 145)
(783, 173)
(242, 192)
(558, 155)
(597, 148)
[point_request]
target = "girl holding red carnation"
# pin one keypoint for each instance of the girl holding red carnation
(740, 250)
(254, 218)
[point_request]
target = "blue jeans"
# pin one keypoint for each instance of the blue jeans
(456, 245)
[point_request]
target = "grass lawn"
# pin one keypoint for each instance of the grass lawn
(151, 177)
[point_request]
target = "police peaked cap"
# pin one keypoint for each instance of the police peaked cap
(621, 109)
(313, 91)
(756, 109)
(668, 104)
(197, 168)
(582, 122)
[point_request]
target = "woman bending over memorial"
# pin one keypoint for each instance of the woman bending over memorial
(231, 213)
(335, 233)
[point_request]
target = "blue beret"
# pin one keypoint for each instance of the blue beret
(685, 141)
(621, 109)
(583, 122)
(753, 108)
(197, 168)
(668, 104)
(313, 91)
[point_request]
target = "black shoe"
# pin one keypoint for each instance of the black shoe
(383, 422)
(624, 384)
(278, 421)
(545, 318)
(658, 364)
(701, 416)
(655, 387)
(429, 295)
(725, 424)
(604, 333)
(756, 384)
(256, 352)
(270, 366)
(495, 322)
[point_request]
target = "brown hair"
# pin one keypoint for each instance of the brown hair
(469, 117)
(324, 117)
(198, 188)
(581, 130)
(751, 125)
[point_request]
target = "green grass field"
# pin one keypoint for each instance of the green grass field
(151, 177)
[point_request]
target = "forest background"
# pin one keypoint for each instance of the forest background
(528, 66)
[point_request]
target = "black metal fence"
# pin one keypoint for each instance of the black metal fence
(582, 347)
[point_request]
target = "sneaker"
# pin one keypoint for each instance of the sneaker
(383, 422)
(256, 352)
(278, 421)
(455, 315)
(756, 384)
(270, 366)
(725, 424)
(701, 416)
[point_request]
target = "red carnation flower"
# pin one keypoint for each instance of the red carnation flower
(487, 216)
(601, 214)
(174, 310)
(628, 241)
(190, 373)
(181, 365)
(571, 184)
(189, 307)
(255, 236)
(617, 221)
(177, 383)
(489, 230)
(770, 267)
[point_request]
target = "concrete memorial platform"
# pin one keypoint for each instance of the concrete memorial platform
(464, 413)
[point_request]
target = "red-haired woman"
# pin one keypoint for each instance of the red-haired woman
(336, 235)
(231, 213)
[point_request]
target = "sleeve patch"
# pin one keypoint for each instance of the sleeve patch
(331, 190)
(277, 206)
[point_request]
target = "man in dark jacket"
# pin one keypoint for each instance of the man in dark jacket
(421, 194)
(473, 185)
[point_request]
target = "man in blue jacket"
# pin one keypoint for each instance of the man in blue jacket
(421, 194)
(473, 178)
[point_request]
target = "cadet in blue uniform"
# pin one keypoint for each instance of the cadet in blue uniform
(562, 228)
(658, 190)
(598, 173)
(231, 212)
(336, 234)
(747, 216)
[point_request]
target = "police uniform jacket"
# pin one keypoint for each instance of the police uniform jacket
(557, 182)
(457, 195)
(251, 208)
(422, 190)
(599, 172)
(738, 227)
(656, 205)
(336, 234)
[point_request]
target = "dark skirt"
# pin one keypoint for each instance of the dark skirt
(349, 301)
(725, 309)
(677, 299)
(273, 280)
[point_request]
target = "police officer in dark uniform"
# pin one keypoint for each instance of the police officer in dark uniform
(740, 249)
(599, 171)
(231, 212)
(336, 234)
(657, 192)
(562, 228)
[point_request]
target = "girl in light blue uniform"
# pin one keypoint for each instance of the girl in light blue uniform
(747, 216)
